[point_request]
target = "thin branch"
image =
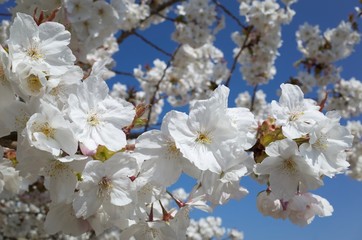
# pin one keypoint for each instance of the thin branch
(167, 18)
(152, 44)
(125, 34)
(253, 98)
(163, 6)
(5, 14)
(243, 46)
(123, 73)
(230, 14)
(153, 99)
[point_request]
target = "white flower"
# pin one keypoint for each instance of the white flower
(269, 205)
(59, 173)
(303, 208)
(149, 230)
(97, 117)
(288, 170)
(32, 82)
(162, 156)
(42, 47)
(295, 114)
(61, 218)
(326, 147)
(205, 131)
(221, 187)
(246, 125)
(6, 91)
(9, 176)
(78, 10)
(58, 88)
(105, 183)
(60, 176)
(49, 131)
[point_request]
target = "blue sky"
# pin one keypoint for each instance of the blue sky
(343, 193)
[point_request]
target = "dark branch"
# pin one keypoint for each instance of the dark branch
(242, 48)
(153, 99)
(152, 44)
(123, 73)
(5, 14)
(229, 14)
(253, 98)
(125, 34)
(163, 6)
(167, 18)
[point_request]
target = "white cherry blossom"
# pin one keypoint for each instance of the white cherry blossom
(295, 114)
(97, 117)
(42, 47)
(105, 183)
(205, 131)
(288, 170)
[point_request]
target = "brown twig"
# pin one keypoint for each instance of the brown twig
(153, 99)
(5, 14)
(125, 34)
(242, 48)
(253, 98)
(229, 14)
(123, 73)
(152, 44)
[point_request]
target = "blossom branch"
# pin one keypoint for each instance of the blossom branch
(153, 99)
(218, 4)
(123, 73)
(125, 34)
(242, 48)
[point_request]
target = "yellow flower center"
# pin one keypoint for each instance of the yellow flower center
(34, 53)
(203, 138)
(321, 143)
(93, 119)
(295, 116)
(56, 168)
(47, 130)
(3, 79)
(34, 83)
(104, 187)
(289, 165)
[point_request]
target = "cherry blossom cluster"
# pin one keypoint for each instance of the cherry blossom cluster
(302, 145)
(320, 51)
(120, 90)
(73, 133)
(261, 38)
(86, 21)
(355, 155)
(4, 27)
(346, 98)
(259, 105)
(207, 228)
(193, 23)
(193, 74)
(300, 210)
